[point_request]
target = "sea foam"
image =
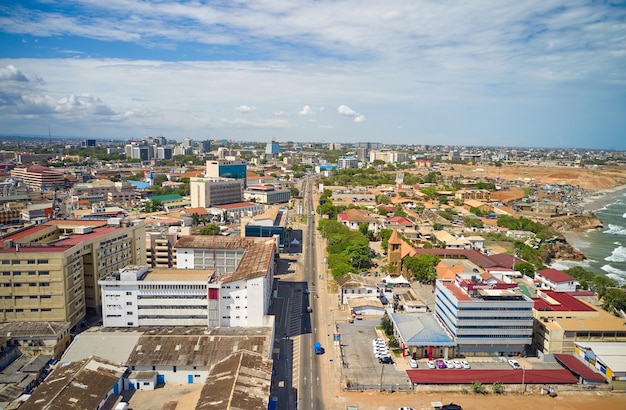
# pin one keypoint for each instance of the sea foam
(618, 255)
(614, 273)
(615, 230)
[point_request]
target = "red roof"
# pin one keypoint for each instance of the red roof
(343, 217)
(579, 368)
(564, 303)
(399, 220)
(556, 276)
(508, 376)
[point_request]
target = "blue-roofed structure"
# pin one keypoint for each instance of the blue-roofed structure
(421, 335)
(139, 184)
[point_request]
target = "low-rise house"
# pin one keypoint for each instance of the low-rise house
(352, 218)
(365, 306)
(556, 280)
(352, 285)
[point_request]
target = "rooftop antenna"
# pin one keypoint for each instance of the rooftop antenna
(49, 135)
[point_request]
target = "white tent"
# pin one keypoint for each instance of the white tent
(392, 280)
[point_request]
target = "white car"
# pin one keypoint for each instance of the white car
(413, 363)
(514, 364)
(405, 408)
(431, 364)
(449, 364)
(457, 364)
(465, 364)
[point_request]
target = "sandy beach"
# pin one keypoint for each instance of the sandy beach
(596, 200)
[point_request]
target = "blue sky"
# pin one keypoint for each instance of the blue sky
(541, 73)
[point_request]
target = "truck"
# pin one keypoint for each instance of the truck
(317, 347)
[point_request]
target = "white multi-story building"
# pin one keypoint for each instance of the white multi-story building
(485, 316)
(220, 281)
(206, 192)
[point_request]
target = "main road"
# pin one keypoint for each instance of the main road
(310, 374)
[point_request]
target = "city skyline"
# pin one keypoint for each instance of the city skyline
(528, 74)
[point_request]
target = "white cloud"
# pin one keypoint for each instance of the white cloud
(359, 118)
(245, 109)
(306, 111)
(347, 111)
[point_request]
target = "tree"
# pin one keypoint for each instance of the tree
(383, 199)
(152, 205)
(497, 388)
(525, 268)
(386, 324)
(384, 235)
(422, 266)
(210, 229)
(364, 228)
(614, 300)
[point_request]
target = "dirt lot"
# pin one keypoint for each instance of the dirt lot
(586, 178)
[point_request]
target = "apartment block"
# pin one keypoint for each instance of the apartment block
(50, 272)
(207, 192)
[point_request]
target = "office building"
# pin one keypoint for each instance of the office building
(485, 315)
(207, 192)
(223, 168)
(272, 148)
(347, 163)
(267, 195)
(50, 271)
(269, 224)
(37, 177)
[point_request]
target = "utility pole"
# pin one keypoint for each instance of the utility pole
(382, 369)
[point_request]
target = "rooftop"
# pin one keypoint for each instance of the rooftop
(556, 276)
(560, 302)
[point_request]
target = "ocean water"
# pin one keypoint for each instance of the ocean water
(604, 248)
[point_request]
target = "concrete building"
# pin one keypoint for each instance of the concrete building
(353, 286)
(422, 336)
(352, 218)
(245, 269)
(222, 168)
(267, 195)
(50, 271)
(269, 224)
(607, 357)
(121, 192)
(485, 318)
(85, 384)
(556, 280)
(37, 177)
(562, 320)
(207, 192)
(272, 148)
(347, 163)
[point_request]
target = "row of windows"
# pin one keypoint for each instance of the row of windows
(22, 310)
(32, 284)
(28, 261)
(171, 307)
(29, 273)
(30, 297)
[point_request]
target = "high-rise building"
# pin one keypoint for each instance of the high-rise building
(272, 148)
(50, 271)
(347, 162)
(222, 168)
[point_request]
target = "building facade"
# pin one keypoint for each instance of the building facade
(266, 195)
(485, 318)
(207, 192)
(222, 168)
(50, 271)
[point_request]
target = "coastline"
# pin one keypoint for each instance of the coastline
(596, 200)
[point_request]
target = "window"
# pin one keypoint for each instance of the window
(129, 303)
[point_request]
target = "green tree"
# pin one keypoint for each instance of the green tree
(497, 388)
(383, 199)
(364, 228)
(614, 300)
(422, 266)
(384, 235)
(210, 229)
(386, 324)
(525, 268)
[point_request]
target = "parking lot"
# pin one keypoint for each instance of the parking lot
(362, 366)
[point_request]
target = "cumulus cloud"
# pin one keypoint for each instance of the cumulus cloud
(245, 109)
(14, 74)
(349, 112)
(306, 111)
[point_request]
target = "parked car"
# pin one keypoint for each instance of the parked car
(413, 363)
(386, 359)
(514, 364)
(465, 364)
(405, 408)
(431, 364)
(451, 406)
(457, 364)
(441, 364)
(449, 364)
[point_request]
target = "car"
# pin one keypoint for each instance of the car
(405, 408)
(465, 364)
(385, 359)
(441, 364)
(514, 364)
(449, 364)
(451, 406)
(381, 353)
(306, 291)
(413, 363)
(457, 364)
(431, 364)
